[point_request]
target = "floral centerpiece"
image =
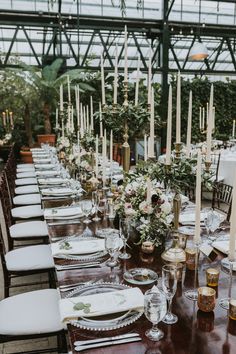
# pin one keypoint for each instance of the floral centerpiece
(152, 219)
(6, 139)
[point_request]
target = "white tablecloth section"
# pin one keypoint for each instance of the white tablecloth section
(227, 167)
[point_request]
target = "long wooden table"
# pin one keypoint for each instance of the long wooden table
(194, 333)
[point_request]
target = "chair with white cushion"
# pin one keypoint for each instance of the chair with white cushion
(27, 199)
(32, 315)
(27, 174)
(25, 181)
(27, 189)
(24, 231)
(25, 261)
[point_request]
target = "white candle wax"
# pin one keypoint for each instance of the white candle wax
(200, 118)
(137, 83)
(149, 188)
(145, 147)
(105, 144)
(78, 105)
(68, 86)
(115, 77)
(81, 121)
(169, 128)
(72, 120)
(96, 157)
(103, 81)
(189, 128)
(209, 127)
(100, 120)
(150, 76)
(126, 55)
(91, 113)
(57, 125)
(178, 110)
(151, 153)
(233, 131)
(111, 147)
(61, 97)
(207, 112)
(232, 236)
(87, 118)
(213, 118)
(197, 232)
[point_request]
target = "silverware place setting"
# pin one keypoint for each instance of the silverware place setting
(107, 341)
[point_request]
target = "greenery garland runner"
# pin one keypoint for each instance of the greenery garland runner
(154, 220)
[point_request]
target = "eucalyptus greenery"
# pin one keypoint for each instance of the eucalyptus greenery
(137, 118)
(180, 176)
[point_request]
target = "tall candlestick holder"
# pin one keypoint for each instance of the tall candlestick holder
(176, 209)
(192, 294)
(178, 148)
(227, 266)
(125, 146)
(207, 166)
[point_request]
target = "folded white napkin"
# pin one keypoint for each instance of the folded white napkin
(44, 166)
(63, 212)
(189, 218)
(102, 304)
(52, 180)
(46, 173)
(57, 191)
(78, 247)
(222, 246)
(42, 161)
(184, 198)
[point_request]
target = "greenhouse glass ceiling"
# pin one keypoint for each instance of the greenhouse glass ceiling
(37, 31)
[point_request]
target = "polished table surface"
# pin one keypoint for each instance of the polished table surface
(194, 333)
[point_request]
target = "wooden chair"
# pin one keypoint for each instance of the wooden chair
(222, 198)
(30, 315)
(24, 231)
(36, 259)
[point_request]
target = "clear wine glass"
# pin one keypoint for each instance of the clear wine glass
(112, 245)
(155, 310)
(86, 206)
(169, 286)
(96, 201)
(124, 229)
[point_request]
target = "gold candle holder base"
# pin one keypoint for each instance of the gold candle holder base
(178, 148)
(207, 166)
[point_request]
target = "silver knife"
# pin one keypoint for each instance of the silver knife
(106, 339)
(80, 348)
(78, 267)
(64, 223)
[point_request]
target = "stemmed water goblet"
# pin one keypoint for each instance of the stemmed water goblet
(212, 222)
(86, 207)
(124, 229)
(169, 286)
(96, 201)
(112, 245)
(155, 310)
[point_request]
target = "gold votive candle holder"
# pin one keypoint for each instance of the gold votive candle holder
(232, 309)
(190, 258)
(147, 247)
(205, 321)
(212, 276)
(206, 299)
